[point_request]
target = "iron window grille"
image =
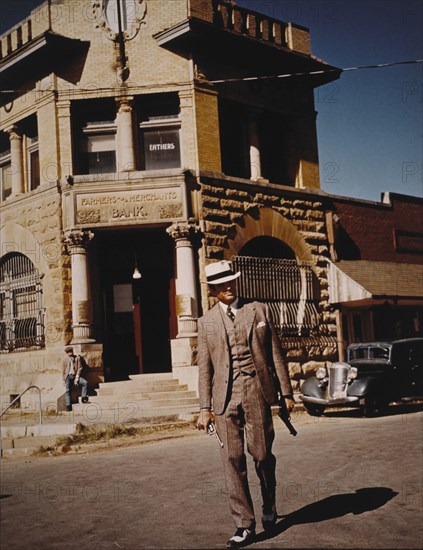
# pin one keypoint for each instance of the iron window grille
(289, 289)
(21, 304)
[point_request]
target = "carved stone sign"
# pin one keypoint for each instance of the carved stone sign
(128, 207)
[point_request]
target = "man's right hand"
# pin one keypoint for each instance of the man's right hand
(205, 418)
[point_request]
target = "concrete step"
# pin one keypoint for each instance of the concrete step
(26, 446)
(19, 441)
(49, 428)
(140, 383)
(111, 401)
(151, 376)
(141, 395)
(95, 413)
(130, 389)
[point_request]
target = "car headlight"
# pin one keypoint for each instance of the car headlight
(352, 373)
(321, 373)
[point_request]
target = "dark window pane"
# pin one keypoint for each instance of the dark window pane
(35, 169)
(101, 162)
(161, 149)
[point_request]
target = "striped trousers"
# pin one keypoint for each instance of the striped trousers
(247, 420)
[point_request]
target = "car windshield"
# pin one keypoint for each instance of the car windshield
(368, 352)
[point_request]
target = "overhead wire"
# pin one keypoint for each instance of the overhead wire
(241, 79)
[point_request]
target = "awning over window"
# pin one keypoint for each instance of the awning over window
(361, 282)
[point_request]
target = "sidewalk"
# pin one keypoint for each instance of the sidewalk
(22, 434)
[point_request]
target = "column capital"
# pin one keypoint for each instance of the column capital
(77, 241)
(14, 132)
(124, 103)
(183, 230)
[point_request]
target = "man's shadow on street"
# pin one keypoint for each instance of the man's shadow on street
(335, 506)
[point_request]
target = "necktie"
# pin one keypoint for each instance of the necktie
(230, 314)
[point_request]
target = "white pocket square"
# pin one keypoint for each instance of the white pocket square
(261, 324)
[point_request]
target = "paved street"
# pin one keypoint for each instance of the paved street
(343, 482)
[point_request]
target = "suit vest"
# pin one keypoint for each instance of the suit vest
(237, 331)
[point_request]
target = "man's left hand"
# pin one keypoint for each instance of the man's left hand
(289, 402)
(76, 381)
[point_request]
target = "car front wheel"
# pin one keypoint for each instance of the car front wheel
(369, 407)
(314, 409)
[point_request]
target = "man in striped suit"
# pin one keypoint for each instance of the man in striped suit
(242, 373)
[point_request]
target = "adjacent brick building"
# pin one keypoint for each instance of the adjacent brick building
(139, 148)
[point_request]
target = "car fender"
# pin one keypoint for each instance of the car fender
(311, 387)
(362, 387)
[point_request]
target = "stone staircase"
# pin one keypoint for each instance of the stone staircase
(142, 397)
(19, 440)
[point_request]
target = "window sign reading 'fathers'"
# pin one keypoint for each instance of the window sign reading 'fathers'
(161, 149)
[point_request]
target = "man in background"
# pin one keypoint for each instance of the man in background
(73, 367)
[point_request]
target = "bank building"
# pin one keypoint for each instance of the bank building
(133, 152)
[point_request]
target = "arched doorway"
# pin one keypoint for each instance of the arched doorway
(276, 268)
(267, 247)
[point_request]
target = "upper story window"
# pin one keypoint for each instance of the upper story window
(160, 132)
(21, 304)
(32, 158)
(94, 130)
(99, 147)
(5, 167)
(22, 159)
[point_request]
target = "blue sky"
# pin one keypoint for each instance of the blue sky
(370, 122)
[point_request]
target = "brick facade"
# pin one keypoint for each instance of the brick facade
(366, 231)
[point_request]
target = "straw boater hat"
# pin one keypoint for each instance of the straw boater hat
(220, 272)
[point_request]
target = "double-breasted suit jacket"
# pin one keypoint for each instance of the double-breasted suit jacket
(214, 357)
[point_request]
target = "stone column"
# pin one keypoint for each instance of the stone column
(125, 135)
(77, 242)
(254, 144)
(16, 155)
(184, 346)
(186, 287)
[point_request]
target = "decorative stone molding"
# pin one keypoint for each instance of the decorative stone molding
(270, 223)
(77, 241)
(183, 231)
(105, 17)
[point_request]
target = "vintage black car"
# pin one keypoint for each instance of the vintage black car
(375, 374)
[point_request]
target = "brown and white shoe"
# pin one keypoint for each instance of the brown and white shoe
(242, 537)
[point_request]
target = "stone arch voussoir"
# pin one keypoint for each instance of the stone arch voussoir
(269, 224)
